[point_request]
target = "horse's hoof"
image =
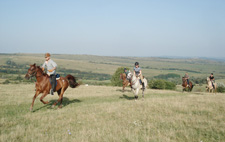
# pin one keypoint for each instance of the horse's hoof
(31, 109)
(53, 106)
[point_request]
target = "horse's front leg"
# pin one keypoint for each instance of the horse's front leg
(123, 87)
(136, 93)
(42, 97)
(32, 104)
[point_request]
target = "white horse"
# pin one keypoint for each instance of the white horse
(136, 86)
(210, 86)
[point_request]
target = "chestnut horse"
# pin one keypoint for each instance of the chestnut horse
(125, 81)
(43, 84)
(185, 85)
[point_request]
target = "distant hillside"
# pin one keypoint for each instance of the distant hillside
(106, 65)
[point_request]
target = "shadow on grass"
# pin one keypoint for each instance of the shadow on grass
(121, 90)
(65, 102)
(127, 97)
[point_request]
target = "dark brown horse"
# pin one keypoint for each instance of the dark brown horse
(125, 81)
(43, 84)
(186, 86)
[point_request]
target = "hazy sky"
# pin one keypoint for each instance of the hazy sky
(114, 27)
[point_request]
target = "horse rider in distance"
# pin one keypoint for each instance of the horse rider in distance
(51, 71)
(138, 73)
(212, 79)
(127, 72)
(186, 76)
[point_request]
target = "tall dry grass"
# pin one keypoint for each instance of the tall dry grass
(94, 113)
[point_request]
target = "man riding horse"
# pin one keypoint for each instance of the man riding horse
(212, 79)
(51, 71)
(186, 76)
(138, 73)
(127, 72)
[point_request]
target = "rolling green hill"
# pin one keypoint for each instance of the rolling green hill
(100, 68)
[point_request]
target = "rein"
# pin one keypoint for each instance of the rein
(35, 73)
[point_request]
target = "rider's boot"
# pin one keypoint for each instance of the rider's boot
(52, 92)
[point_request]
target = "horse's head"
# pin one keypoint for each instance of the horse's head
(32, 71)
(208, 79)
(122, 76)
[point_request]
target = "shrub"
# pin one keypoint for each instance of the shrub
(115, 80)
(220, 88)
(166, 76)
(162, 84)
(6, 82)
(170, 85)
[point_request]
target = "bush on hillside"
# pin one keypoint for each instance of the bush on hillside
(6, 82)
(220, 88)
(162, 84)
(167, 76)
(115, 80)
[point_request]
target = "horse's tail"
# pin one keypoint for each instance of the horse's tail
(72, 81)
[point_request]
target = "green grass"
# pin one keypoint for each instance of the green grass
(100, 113)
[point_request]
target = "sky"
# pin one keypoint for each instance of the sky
(184, 28)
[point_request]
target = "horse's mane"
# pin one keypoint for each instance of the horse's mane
(39, 68)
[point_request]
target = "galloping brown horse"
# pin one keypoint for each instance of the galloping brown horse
(185, 85)
(43, 84)
(125, 81)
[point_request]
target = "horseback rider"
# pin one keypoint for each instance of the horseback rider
(138, 73)
(212, 79)
(186, 76)
(51, 71)
(126, 73)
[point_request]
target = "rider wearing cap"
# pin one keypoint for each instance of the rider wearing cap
(51, 71)
(212, 79)
(138, 73)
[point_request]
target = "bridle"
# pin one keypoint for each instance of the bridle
(34, 74)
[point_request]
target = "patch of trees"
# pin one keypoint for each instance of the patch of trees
(167, 76)
(220, 88)
(162, 84)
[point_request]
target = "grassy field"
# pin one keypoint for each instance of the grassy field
(100, 113)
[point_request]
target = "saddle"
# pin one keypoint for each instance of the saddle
(57, 78)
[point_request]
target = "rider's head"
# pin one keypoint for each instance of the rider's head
(136, 64)
(47, 56)
(125, 69)
(211, 74)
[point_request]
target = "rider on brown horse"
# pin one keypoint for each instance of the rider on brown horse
(127, 72)
(186, 76)
(51, 71)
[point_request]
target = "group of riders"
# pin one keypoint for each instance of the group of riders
(51, 71)
(138, 73)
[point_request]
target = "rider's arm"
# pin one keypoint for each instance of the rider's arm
(140, 72)
(43, 67)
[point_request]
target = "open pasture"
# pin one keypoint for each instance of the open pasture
(100, 113)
